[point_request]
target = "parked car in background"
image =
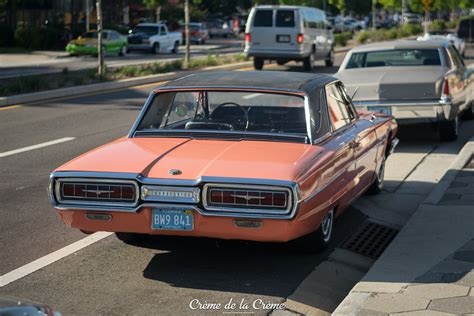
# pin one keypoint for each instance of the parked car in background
(465, 29)
(16, 307)
(219, 28)
(411, 18)
(154, 37)
(452, 38)
(285, 33)
(86, 44)
(198, 33)
(262, 156)
(415, 81)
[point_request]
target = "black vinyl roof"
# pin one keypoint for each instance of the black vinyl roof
(253, 79)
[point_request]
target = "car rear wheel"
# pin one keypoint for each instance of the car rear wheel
(377, 186)
(175, 47)
(258, 63)
(155, 49)
(449, 130)
(308, 62)
(123, 50)
(329, 62)
(319, 239)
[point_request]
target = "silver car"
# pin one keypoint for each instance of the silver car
(285, 33)
(416, 81)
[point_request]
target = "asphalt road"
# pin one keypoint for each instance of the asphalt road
(160, 275)
(22, 65)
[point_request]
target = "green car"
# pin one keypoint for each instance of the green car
(86, 44)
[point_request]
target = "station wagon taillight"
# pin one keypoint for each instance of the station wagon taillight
(247, 198)
(103, 192)
(300, 39)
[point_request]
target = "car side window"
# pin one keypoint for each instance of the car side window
(113, 36)
(162, 30)
(337, 107)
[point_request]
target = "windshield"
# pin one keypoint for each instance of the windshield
(396, 57)
(243, 112)
(148, 30)
(89, 35)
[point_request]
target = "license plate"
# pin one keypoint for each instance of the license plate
(381, 109)
(283, 38)
(172, 219)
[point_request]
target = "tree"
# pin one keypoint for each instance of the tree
(156, 5)
(391, 4)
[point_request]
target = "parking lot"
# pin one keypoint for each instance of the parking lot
(162, 275)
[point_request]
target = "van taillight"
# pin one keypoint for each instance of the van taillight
(247, 37)
(300, 38)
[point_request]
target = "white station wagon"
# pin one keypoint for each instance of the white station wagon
(285, 33)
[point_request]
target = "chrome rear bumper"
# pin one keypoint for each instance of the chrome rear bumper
(414, 111)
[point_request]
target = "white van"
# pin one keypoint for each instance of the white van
(285, 33)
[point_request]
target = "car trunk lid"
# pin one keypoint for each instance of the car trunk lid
(394, 83)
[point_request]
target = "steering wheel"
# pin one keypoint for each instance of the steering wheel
(245, 117)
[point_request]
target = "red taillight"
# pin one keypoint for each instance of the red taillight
(230, 198)
(300, 39)
(247, 37)
(446, 93)
(98, 192)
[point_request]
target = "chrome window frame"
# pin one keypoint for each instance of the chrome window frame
(140, 180)
(269, 210)
(297, 93)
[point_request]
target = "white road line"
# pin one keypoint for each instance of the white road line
(50, 143)
(51, 258)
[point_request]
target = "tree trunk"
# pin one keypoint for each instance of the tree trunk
(186, 19)
(158, 13)
(100, 47)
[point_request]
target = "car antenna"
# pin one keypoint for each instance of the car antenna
(355, 92)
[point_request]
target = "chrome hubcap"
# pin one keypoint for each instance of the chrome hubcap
(381, 173)
(326, 225)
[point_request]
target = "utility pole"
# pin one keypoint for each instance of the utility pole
(186, 31)
(87, 15)
(100, 47)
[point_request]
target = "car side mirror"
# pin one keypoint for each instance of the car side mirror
(181, 110)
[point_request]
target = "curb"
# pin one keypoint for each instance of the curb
(356, 299)
(104, 86)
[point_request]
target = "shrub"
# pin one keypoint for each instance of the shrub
(411, 29)
(6, 36)
(38, 38)
(438, 25)
(392, 33)
(342, 38)
(362, 37)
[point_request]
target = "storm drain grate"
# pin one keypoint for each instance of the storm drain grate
(370, 239)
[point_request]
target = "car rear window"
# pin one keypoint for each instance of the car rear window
(396, 57)
(263, 18)
(285, 18)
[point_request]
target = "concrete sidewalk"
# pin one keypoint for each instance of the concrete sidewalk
(429, 268)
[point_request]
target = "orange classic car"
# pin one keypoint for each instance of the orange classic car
(262, 156)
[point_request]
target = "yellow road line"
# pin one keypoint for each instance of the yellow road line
(10, 107)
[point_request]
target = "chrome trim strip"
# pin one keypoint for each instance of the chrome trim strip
(296, 195)
(194, 191)
(58, 182)
(208, 207)
(307, 115)
(401, 103)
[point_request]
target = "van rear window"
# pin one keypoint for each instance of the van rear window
(285, 18)
(263, 18)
